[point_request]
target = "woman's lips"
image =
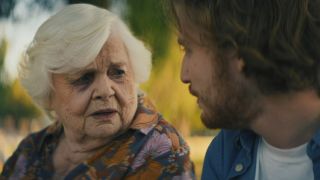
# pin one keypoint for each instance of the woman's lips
(104, 115)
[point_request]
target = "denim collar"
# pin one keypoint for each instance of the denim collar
(247, 140)
(316, 138)
(313, 149)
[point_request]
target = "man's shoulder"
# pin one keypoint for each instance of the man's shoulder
(230, 140)
(225, 149)
(226, 134)
(224, 142)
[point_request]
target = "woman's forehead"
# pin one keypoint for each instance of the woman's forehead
(102, 63)
(113, 51)
(99, 65)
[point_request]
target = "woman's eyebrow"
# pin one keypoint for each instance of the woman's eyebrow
(83, 71)
(118, 62)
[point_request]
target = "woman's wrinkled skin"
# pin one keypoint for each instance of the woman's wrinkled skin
(94, 104)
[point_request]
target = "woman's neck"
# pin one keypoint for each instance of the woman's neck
(72, 152)
(81, 143)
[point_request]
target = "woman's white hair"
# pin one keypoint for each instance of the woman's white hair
(72, 39)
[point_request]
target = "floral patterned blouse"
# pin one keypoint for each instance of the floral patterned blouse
(150, 149)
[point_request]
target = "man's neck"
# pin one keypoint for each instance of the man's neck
(289, 120)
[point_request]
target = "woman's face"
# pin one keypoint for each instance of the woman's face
(98, 100)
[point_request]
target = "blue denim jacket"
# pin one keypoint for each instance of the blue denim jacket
(232, 155)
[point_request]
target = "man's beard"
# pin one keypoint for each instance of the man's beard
(235, 105)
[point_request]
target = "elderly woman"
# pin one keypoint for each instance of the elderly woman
(84, 67)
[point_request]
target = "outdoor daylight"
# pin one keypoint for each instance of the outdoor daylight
(148, 21)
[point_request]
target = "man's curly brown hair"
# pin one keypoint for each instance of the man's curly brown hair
(279, 40)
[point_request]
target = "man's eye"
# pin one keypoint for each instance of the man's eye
(84, 80)
(116, 73)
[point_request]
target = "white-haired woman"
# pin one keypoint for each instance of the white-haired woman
(85, 66)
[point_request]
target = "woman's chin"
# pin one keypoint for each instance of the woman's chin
(102, 128)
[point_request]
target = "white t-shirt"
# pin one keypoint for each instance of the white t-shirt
(283, 164)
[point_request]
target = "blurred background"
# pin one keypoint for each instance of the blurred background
(19, 20)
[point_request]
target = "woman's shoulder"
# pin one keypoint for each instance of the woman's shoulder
(28, 149)
(165, 154)
(35, 140)
(164, 126)
(166, 129)
(162, 136)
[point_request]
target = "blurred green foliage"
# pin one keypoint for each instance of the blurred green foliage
(100, 3)
(147, 20)
(13, 100)
(3, 48)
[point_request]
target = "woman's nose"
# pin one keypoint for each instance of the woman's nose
(104, 88)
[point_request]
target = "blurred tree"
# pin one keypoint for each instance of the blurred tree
(147, 20)
(145, 17)
(100, 3)
(13, 100)
(7, 6)
(3, 47)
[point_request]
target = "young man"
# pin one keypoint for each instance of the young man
(254, 66)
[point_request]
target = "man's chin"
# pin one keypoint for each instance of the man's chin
(214, 123)
(208, 122)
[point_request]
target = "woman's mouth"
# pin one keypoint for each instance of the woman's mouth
(104, 114)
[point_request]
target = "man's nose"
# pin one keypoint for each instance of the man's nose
(104, 88)
(185, 70)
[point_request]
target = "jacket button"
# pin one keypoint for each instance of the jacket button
(239, 167)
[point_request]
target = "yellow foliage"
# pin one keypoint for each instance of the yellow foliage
(20, 94)
(170, 95)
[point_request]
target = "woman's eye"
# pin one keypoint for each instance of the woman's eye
(84, 80)
(116, 73)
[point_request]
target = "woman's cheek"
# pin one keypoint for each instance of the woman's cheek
(127, 97)
(80, 102)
